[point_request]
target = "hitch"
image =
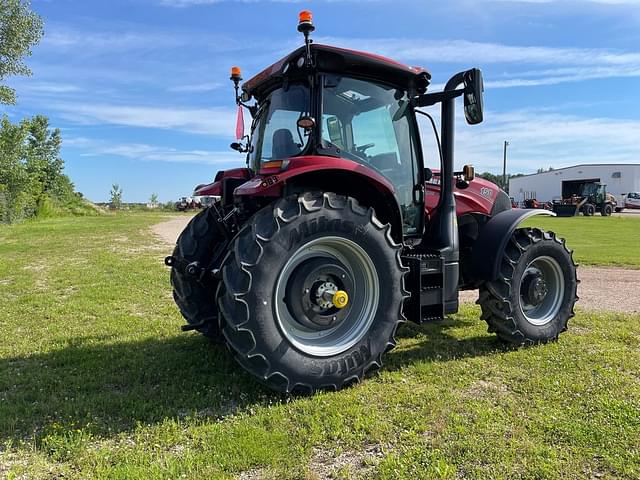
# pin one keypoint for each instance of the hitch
(192, 269)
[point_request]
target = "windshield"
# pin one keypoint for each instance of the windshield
(371, 124)
(276, 135)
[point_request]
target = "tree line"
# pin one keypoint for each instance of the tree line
(32, 181)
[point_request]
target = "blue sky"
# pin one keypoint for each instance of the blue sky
(141, 93)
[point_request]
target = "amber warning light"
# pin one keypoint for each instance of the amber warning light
(305, 23)
(236, 73)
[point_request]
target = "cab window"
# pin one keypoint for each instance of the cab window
(372, 124)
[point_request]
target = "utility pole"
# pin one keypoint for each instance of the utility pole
(504, 165)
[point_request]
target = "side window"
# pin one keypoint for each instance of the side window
(373, 133)
(281, 136)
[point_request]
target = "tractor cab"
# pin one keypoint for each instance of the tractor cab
(596, 192)
(348, 116)
(367, 123)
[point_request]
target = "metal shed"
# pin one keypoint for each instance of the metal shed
(548, 186)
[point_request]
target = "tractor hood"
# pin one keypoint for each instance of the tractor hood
(333, 59)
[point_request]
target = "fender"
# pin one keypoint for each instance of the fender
(270, 181)
(338, 175)
(216, 187)
(493, 239)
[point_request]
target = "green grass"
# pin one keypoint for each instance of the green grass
(96, 381)
(598, 240)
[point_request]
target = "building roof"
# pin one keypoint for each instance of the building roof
(580, 165)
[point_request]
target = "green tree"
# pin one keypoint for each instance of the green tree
(44, 163)
(497, 179)
(31, 171)
(153, 200)
(18, 200)
(115, 196)
(20, 29)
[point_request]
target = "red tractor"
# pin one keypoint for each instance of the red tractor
(336, 232)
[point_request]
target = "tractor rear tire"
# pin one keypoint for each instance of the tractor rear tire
(199, 242)
(284, 258)
(535, 295)
(607, 210)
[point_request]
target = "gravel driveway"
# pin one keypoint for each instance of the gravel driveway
(601, 288)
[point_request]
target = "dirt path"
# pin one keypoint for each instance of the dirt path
(601, 288)
(168, 231)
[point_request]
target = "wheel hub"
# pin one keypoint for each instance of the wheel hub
(535, 289)
(542, 290)
(323, 296)
(317, 293)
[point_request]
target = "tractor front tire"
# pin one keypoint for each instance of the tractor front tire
(589, 210)
(607, 210)
(199, 242)
(280, 319)
(534, 296)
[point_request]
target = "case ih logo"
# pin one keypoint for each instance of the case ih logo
(486, 192)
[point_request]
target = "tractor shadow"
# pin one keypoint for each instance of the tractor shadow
(107, 387)
(436, 344)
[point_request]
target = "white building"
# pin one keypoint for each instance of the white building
(620, 178)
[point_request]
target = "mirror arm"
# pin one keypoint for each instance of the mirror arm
(429, 99)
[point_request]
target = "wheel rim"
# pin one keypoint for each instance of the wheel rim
(303, 309)
(541, 290)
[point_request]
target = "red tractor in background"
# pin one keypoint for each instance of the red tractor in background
(336, 232)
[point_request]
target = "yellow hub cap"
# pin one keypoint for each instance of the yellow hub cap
(340, 299)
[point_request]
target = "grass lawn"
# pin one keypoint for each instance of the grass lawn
(598, 240)
(96, 381)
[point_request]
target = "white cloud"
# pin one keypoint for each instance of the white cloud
(148, 153)
(197, 87)
(555, 64)
(189, 3)
(604, 2)
(464, 51)
(541, 138)
(213, 121)
(48, 87)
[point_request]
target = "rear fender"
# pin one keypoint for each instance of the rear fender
(330, 174)
(493, 239)
(216, 187)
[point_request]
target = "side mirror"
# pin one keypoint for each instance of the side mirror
(306, 123)
(473, 93)
(240, 147)
(468, 173)
(334, 127)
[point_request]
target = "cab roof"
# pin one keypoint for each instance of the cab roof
(340, 61)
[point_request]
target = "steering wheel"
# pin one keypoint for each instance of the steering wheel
(364, 148)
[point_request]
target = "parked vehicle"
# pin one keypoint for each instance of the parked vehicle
(534, 203)
(336, 232)
(187, 203)
(632, 200)
(586, 197)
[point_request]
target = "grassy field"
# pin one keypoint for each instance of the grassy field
(598, 240)
(96, 381)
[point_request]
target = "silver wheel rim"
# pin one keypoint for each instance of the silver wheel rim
(363, 299)
(550, 272)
